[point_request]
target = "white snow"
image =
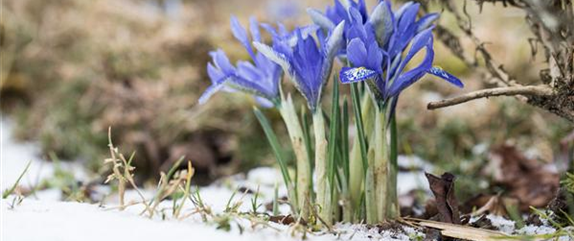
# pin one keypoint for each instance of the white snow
(416, 179)
(16, 155)
(508, 227)
(52, 220)
(503, 224)
(44, 217)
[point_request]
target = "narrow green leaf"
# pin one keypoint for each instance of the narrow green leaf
(307, 135)
(334, 130)
(131, 158)
(345, 138)
(356, 98)
(7, 193)
(174, 168)
(272, 138)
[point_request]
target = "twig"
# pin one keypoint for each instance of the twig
(539, 90)
(460, 231)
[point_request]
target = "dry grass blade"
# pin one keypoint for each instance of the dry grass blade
(459, 231)
(124, 177)
(186, 192)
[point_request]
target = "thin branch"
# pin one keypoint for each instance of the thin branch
(539, 90)
(501, 77)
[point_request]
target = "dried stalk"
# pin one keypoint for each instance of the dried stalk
(502, 91)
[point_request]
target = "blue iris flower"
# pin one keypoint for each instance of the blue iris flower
(337, 13)
(308, 63)
(259, 78)
(378, 49)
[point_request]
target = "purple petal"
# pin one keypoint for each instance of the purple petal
(240, 34)
(254, 28)
(353, 75)
(439, 72)
(222, 62)
(409, 16)
(421, 40)
(335, 40)
(271, 30)
(247, 71)
(357, 52)
(399, 13)
(363, 8)
(214, 74)
(382, 20)
(375, 59)
(410, 77)
(263, 102)
(426, 21)
(320, 19)
(211, 90)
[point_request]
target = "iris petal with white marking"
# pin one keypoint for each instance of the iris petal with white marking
(439, 72)
(352, 75)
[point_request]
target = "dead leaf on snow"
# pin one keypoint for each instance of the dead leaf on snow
(446, 202)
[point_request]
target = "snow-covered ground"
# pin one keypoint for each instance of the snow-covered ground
(45, 217)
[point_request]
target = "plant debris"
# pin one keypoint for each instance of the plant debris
(446, 202)
(523, 178)
(286, 220)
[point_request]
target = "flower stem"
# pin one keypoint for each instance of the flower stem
(324, 193)
(357, 169)
(303, 186)
(370, 188)
(394, 207)
(381, 164)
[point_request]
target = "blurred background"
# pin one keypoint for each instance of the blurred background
(71, 69)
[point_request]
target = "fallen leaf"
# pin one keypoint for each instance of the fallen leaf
(446, 202)
(525, 179)
(286, 220)
(489, 204)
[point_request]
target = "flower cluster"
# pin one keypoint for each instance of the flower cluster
(376, 49)
(376, 45)
(260, 77)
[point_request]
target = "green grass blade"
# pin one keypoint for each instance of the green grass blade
(131, 158)
(7, 193)
(173, 168)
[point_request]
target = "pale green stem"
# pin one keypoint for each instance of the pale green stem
(324, 192)
(295, 131)
(370, 186)
(394, 210)
(356, 169)
(348, 209)
(381, 164)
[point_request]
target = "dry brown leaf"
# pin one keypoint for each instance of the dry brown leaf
(524, 179)
(446, 203)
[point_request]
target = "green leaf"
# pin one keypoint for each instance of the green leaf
(356, 97)
(307, 135)
(333, 133)
(272, 138)
(7, 193)
(345, 138)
